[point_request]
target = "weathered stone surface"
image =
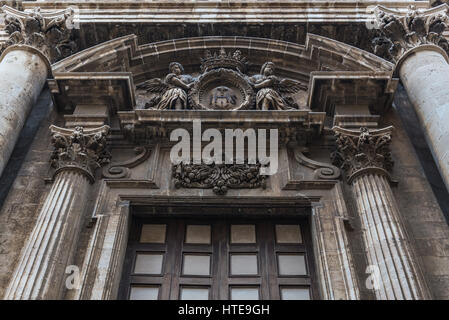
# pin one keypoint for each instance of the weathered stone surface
(22, 76)
(52, 243)
(345, 83)
(425, 76)
(366, 158)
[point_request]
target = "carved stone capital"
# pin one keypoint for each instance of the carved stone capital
(401, 33)
(50, 32)
(79, 149)
(218, 177)
(362, 152)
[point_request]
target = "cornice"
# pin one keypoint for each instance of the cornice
(309, 11)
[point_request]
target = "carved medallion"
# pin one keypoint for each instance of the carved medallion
(222, 89)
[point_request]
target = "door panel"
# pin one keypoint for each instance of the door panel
(217, 259)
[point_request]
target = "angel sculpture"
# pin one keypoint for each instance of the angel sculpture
(270, 89)
(172, 92)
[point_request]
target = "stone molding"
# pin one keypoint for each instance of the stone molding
(401, 32)
(78, 149)
(48, 32)
(363, 152)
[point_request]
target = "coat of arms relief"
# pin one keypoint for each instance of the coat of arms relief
(222, 84)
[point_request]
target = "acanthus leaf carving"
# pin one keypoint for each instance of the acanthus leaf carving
(50, 33)
(363, 151)
(218, 177)
(79, 149)
(401, 33)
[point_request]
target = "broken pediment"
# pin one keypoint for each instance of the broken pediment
(321, 75)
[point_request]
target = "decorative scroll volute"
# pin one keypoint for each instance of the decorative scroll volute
(50, 33)
(401, 33)
(364, 151)
(121, 170)
(79, 149)
(321, 170)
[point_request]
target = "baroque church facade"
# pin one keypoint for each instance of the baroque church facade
(346, 197)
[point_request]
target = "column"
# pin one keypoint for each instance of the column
(365, 158)
(40, 272)
(415, 43)
(35, 40)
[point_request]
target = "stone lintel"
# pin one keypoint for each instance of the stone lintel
(150, 124)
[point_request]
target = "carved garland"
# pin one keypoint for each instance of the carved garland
(219, 178)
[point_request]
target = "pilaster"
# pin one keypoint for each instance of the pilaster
(52, 243)
(365, 157)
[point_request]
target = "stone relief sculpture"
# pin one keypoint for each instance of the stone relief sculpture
(219, 178)
(222, 85)
(270, 89)
(172, 92)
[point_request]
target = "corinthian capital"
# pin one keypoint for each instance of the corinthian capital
(49, 32)
(79, 149)
(403, 32)
(364, 151)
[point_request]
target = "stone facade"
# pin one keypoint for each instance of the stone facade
(356, 93)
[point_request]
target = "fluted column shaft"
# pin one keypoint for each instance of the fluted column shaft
(386, 244)
(366, 159)
(40, 273)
